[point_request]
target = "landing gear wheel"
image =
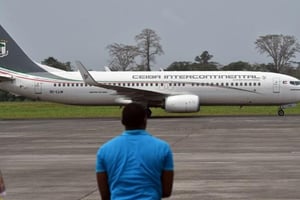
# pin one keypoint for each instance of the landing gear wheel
(280, 112)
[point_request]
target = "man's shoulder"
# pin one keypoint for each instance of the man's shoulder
(160, 141)
(113, 141)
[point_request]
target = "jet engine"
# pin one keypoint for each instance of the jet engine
(182, 103)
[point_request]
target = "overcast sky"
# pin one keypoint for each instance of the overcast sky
(72, 30)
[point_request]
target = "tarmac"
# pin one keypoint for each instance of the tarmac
(216, 158)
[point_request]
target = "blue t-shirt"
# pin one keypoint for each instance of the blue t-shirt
(134, 162)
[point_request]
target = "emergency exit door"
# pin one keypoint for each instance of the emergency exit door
(276, 85)
(38, 88)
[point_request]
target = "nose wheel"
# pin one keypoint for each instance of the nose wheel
(280, 112)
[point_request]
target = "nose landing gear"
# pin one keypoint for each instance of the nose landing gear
(281, 111)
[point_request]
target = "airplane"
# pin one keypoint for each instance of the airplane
(173, 91)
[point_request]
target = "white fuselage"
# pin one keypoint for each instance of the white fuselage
(212, 87)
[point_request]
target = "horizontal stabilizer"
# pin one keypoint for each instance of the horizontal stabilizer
(6, 77)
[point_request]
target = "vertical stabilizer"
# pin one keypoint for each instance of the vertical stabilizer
(12, 57)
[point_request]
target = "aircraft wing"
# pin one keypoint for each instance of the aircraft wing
(133, 93)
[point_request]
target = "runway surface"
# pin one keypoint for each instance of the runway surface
(215, 157)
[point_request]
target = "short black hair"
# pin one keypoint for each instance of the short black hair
(133, 115)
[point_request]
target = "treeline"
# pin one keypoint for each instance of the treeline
(290, 69)
(203, 63)
(6, 96)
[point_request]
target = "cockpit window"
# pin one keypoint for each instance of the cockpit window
(295, 82)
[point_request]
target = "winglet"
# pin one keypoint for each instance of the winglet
(86, 76)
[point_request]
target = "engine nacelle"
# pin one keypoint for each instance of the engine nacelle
(182, 103)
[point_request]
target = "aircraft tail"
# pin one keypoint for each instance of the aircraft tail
(12, 57)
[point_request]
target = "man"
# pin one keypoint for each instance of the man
(135, 165)
(2, 186)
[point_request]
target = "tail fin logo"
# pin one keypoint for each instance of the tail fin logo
(3, 50)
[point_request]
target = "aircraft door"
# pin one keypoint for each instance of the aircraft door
(37, 88)
(168, 86)
(276, 85)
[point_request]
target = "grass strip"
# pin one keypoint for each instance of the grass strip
(46, 110)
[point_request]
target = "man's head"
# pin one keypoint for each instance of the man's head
(134, 116)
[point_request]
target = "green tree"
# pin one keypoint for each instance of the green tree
(6, 96)
(3, 96)
(297, 72)
(179, 66)
(57, 64)
(204, 58)
(206, 67)
(264, 67)
(281, 48)
(149, 46)
(189, 66)
(238, 66)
